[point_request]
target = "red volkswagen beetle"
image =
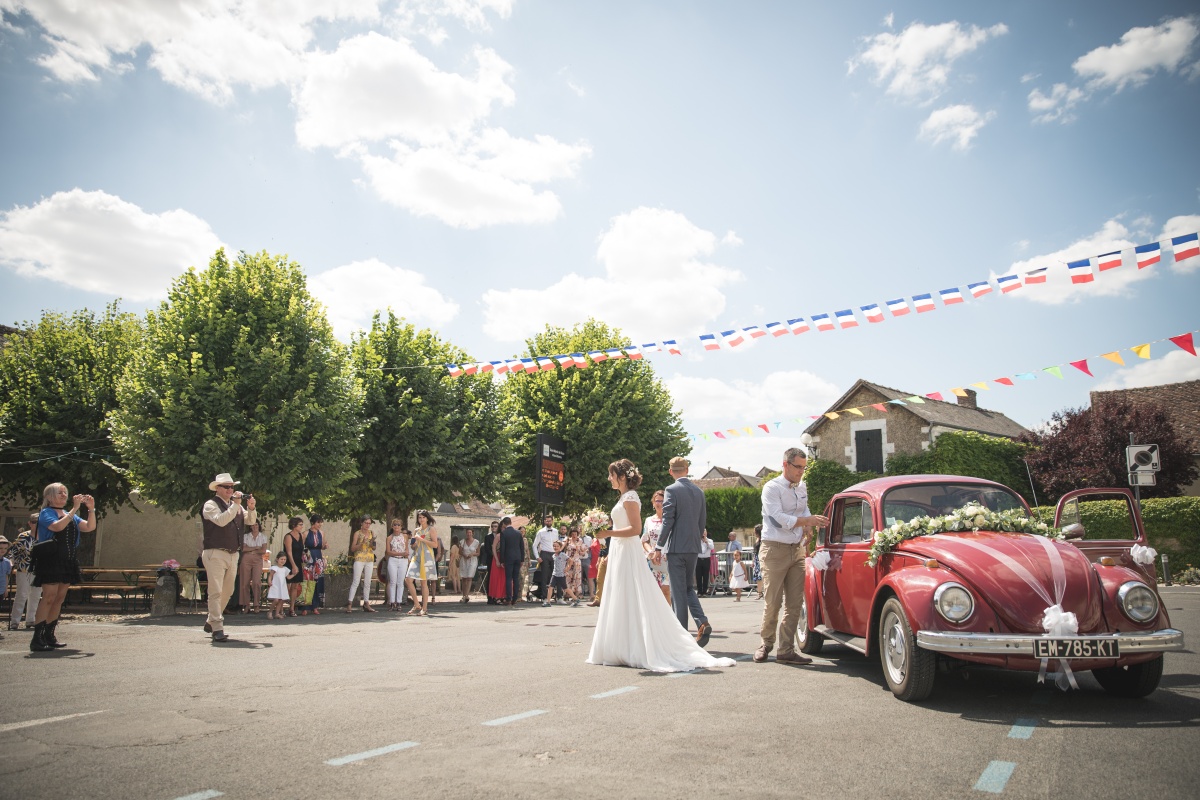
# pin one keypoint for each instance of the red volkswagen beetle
(921, 567)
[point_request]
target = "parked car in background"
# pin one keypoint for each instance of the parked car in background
(914, 569)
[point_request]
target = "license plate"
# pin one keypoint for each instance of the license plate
(1076, 648)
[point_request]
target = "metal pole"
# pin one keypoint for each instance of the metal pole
(1137, 489)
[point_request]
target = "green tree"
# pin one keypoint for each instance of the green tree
(825, 478)
(57, 383)
(427, 434)
(239, 373)
(973, 454)
(734, 507)
(611, 410)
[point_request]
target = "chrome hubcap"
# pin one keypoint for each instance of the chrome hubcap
(894, 650)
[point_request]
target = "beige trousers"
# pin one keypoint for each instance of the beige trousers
(783, 585)
(600, 573)
(221, 567)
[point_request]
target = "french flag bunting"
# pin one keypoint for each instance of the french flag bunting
(454, 369)
(499, 367)
(1036, 275)
(1186, 246)
(873, 312)
(545, 364)
(898, 307)
(754, 331)
(823, 322)
(1008, 283)
(777, 329)
(1109, 260)
(672, 347)
(598, 355)
(486, 366)
(798, 326)
(530, 364)
(733, 338)
(514, 365)
(634, 352)
(1080, 271)
(709, 340)
(979, 289)
(652, 347)
(923, 302)
(470, 369)
(951, 296)
(614, 353)
(846, 318)
(1147, 254)
(566, 360)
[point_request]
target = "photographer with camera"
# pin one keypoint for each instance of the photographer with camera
(224, 522)
(55, 565)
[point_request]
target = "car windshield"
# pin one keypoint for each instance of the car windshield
(905, 503)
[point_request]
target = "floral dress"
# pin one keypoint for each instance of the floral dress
(650, 532)
(575, 551)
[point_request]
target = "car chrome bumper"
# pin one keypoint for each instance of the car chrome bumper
(1020, 644)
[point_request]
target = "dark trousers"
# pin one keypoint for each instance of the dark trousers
(703, 567)
(512, 579)
(544, 573)
(681, 568)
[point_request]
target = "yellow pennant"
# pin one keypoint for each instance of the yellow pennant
(1142, 350)
(983, 385)
(733, 431)
(960, 392)
(832, 414)
(1114, 357)
(855, 411)
(748, 431)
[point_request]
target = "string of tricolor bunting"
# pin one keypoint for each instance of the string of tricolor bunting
(1183, 341)
(1081, 271)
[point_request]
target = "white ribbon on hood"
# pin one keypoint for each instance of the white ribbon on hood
(1055, 621)
(1143, 555)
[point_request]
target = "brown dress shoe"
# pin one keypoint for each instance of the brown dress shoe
(792, 658)
(760, 655)
(703, 634)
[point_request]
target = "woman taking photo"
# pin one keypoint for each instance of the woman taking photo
(397, 564)
(362, 550)
(422, 565)
(293, 548)
(468, 564)
(56, 566)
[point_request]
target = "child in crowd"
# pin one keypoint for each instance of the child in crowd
(558, 582)
(5, 568)
(737, 575)
(279, 587)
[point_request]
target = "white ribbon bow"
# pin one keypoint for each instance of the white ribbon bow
(1143, 555)
(821, 561)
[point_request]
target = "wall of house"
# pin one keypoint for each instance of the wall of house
(904, 432)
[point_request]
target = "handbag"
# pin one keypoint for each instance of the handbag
(308, 588)
(383, 573)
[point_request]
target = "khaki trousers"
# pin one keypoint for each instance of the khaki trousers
(600, 570)
(783, 585)
(221, 567)
(250, 577)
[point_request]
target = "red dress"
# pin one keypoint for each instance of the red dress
(496, 588)
(594, 563)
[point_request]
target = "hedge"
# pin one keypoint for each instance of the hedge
(826, 478)
(972, 454)
(732, 508)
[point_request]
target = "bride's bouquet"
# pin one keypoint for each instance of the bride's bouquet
(593, 521)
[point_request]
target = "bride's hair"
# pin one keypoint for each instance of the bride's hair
(627, 470)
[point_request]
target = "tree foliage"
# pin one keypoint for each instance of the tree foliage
(611, 410)
(732, 508)
(825, 478)
(1085, 447)
(427, 434)
(57, 384)
(239, 373)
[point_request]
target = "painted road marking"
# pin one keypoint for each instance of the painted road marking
(378, 751)
(516, 717)
(16, 726)
(1022, 729)
(207, 794)
(615, 692)
(995, 777)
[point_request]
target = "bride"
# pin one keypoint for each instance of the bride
(636, 628)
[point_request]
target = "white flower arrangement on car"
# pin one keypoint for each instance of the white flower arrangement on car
(593, 521)
(971, 517)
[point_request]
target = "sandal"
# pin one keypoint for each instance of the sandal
(368, 609)
(349, 609)
(316, 613)
(414, 612)
(304, 613)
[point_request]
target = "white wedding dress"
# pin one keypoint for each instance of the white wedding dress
(637, 627)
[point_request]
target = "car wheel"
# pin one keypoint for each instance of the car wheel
(810, 641)
(908, 669)
(1135, 680)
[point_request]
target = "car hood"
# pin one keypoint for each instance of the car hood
(1001, 586)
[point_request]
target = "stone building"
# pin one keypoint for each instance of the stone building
(722, 478)
(1180, 401)
(864, 443)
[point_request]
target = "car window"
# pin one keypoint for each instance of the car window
(851, 523)
(905, 503)
(1103, 515)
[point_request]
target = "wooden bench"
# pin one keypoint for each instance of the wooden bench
(129, 593)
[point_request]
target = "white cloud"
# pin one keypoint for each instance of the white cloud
(1058, 105)
(1178, 226)
(915, 64)
(655, 284)
(1058, 288)
(371, 90)
(1175, 367)
(1029, 77)
(890, 20)
(1139, 54)
(353, 292)
(100, 243)
(957, 124)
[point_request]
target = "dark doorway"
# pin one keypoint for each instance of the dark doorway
(868, 447)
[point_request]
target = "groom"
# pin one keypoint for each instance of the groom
(684, 517)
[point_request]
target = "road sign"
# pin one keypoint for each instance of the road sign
(1142, 478)
(1142, 457)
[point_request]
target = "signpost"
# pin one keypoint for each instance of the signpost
(1143, 463)
(550, 470)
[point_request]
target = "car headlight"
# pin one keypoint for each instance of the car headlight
(953, 601)
(1138, 602)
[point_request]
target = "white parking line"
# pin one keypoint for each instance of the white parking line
(515, 717)
(29, 723)
(207, 794)
(378, 751)
(615, 692)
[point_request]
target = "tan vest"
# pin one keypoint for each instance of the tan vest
(224, 537)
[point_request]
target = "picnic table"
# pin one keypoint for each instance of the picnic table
(132, 585)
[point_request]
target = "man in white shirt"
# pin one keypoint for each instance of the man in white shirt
(787, 527)
(543, 545)
(224, 523)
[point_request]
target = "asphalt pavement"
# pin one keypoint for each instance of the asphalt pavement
(477, 701)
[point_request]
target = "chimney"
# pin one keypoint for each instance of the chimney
(969, 400)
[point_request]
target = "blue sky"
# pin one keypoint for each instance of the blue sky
(487, 166)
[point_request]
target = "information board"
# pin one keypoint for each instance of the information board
(550, 470)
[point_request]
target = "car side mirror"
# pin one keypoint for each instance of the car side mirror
(1074, 531)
